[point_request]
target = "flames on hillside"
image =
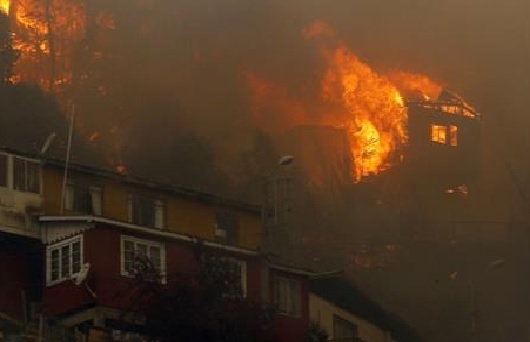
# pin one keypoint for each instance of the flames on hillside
(369, 105)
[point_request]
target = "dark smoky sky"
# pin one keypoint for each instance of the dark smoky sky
(185, 61)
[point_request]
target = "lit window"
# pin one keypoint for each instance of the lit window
(146, 211)
(453, 135)
(226, 228)
(83, 199)
(439, 134)
(26, 175)
(142, 258)
(287, 296)
(64, 260)
(343, 330)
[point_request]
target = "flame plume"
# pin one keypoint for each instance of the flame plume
(377, 118)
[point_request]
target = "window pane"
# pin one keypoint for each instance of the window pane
(33, 177)
(95, 193)
(3, 170)
(128, 250)
(19, 174)
(69, 197)
(141, 249)
(65, 261)
(76, 257)
(155, 257)
(453, 130)
(159, 215)
(55, 264)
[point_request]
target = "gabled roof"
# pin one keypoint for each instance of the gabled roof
(339, 289)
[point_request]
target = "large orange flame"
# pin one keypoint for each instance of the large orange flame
(368, 104)
(377, 118)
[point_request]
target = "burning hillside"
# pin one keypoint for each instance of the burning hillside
(72, 48)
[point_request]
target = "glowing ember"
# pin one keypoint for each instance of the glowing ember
(120, 168)
(4, 6)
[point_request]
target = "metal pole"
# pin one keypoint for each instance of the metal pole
(68, 149)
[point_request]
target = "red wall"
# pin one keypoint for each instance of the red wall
(19, 263)
(101, 248)
(289, 328)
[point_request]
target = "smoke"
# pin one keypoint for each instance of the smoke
(165, 83)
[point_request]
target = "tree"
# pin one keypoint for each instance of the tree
(204, 306)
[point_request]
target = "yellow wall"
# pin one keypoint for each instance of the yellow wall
(322, 311)
(183, 215)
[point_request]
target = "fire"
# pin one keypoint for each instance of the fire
(4, 6)
(353, 96)
(415, 85)
(375, 114)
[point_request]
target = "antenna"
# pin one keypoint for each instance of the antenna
(47, 143)
(81, 276)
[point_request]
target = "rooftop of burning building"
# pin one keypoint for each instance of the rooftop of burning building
(448, 102)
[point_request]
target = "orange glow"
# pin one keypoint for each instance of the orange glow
(4, 6)
(93, 136)
(369, 105)
(374, 107)
(415, 85)
(120, 168)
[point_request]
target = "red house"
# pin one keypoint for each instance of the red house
(90, 273)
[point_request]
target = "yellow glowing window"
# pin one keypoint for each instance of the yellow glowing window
(439, 134)
(453, 135)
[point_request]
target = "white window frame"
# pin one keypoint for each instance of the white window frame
(148, 243)
(298, 306)
(69, 198)
(159, 207)
(58, 246)
(10, 168)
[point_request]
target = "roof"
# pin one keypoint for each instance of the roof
(342, 291)
(130, 179)
(72, 230)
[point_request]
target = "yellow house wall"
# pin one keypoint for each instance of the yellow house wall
(184, 215)
(322, 311)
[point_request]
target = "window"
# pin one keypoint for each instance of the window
(26, 175)
(438, 134)
(3, 170)
(142, 258)
(343, 330)
(83, 199)
(453, 135)
(226, 228)
(146, 211)
(287, 296)
(64, 260)
(231, 272)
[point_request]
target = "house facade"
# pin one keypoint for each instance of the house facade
(79, 239)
